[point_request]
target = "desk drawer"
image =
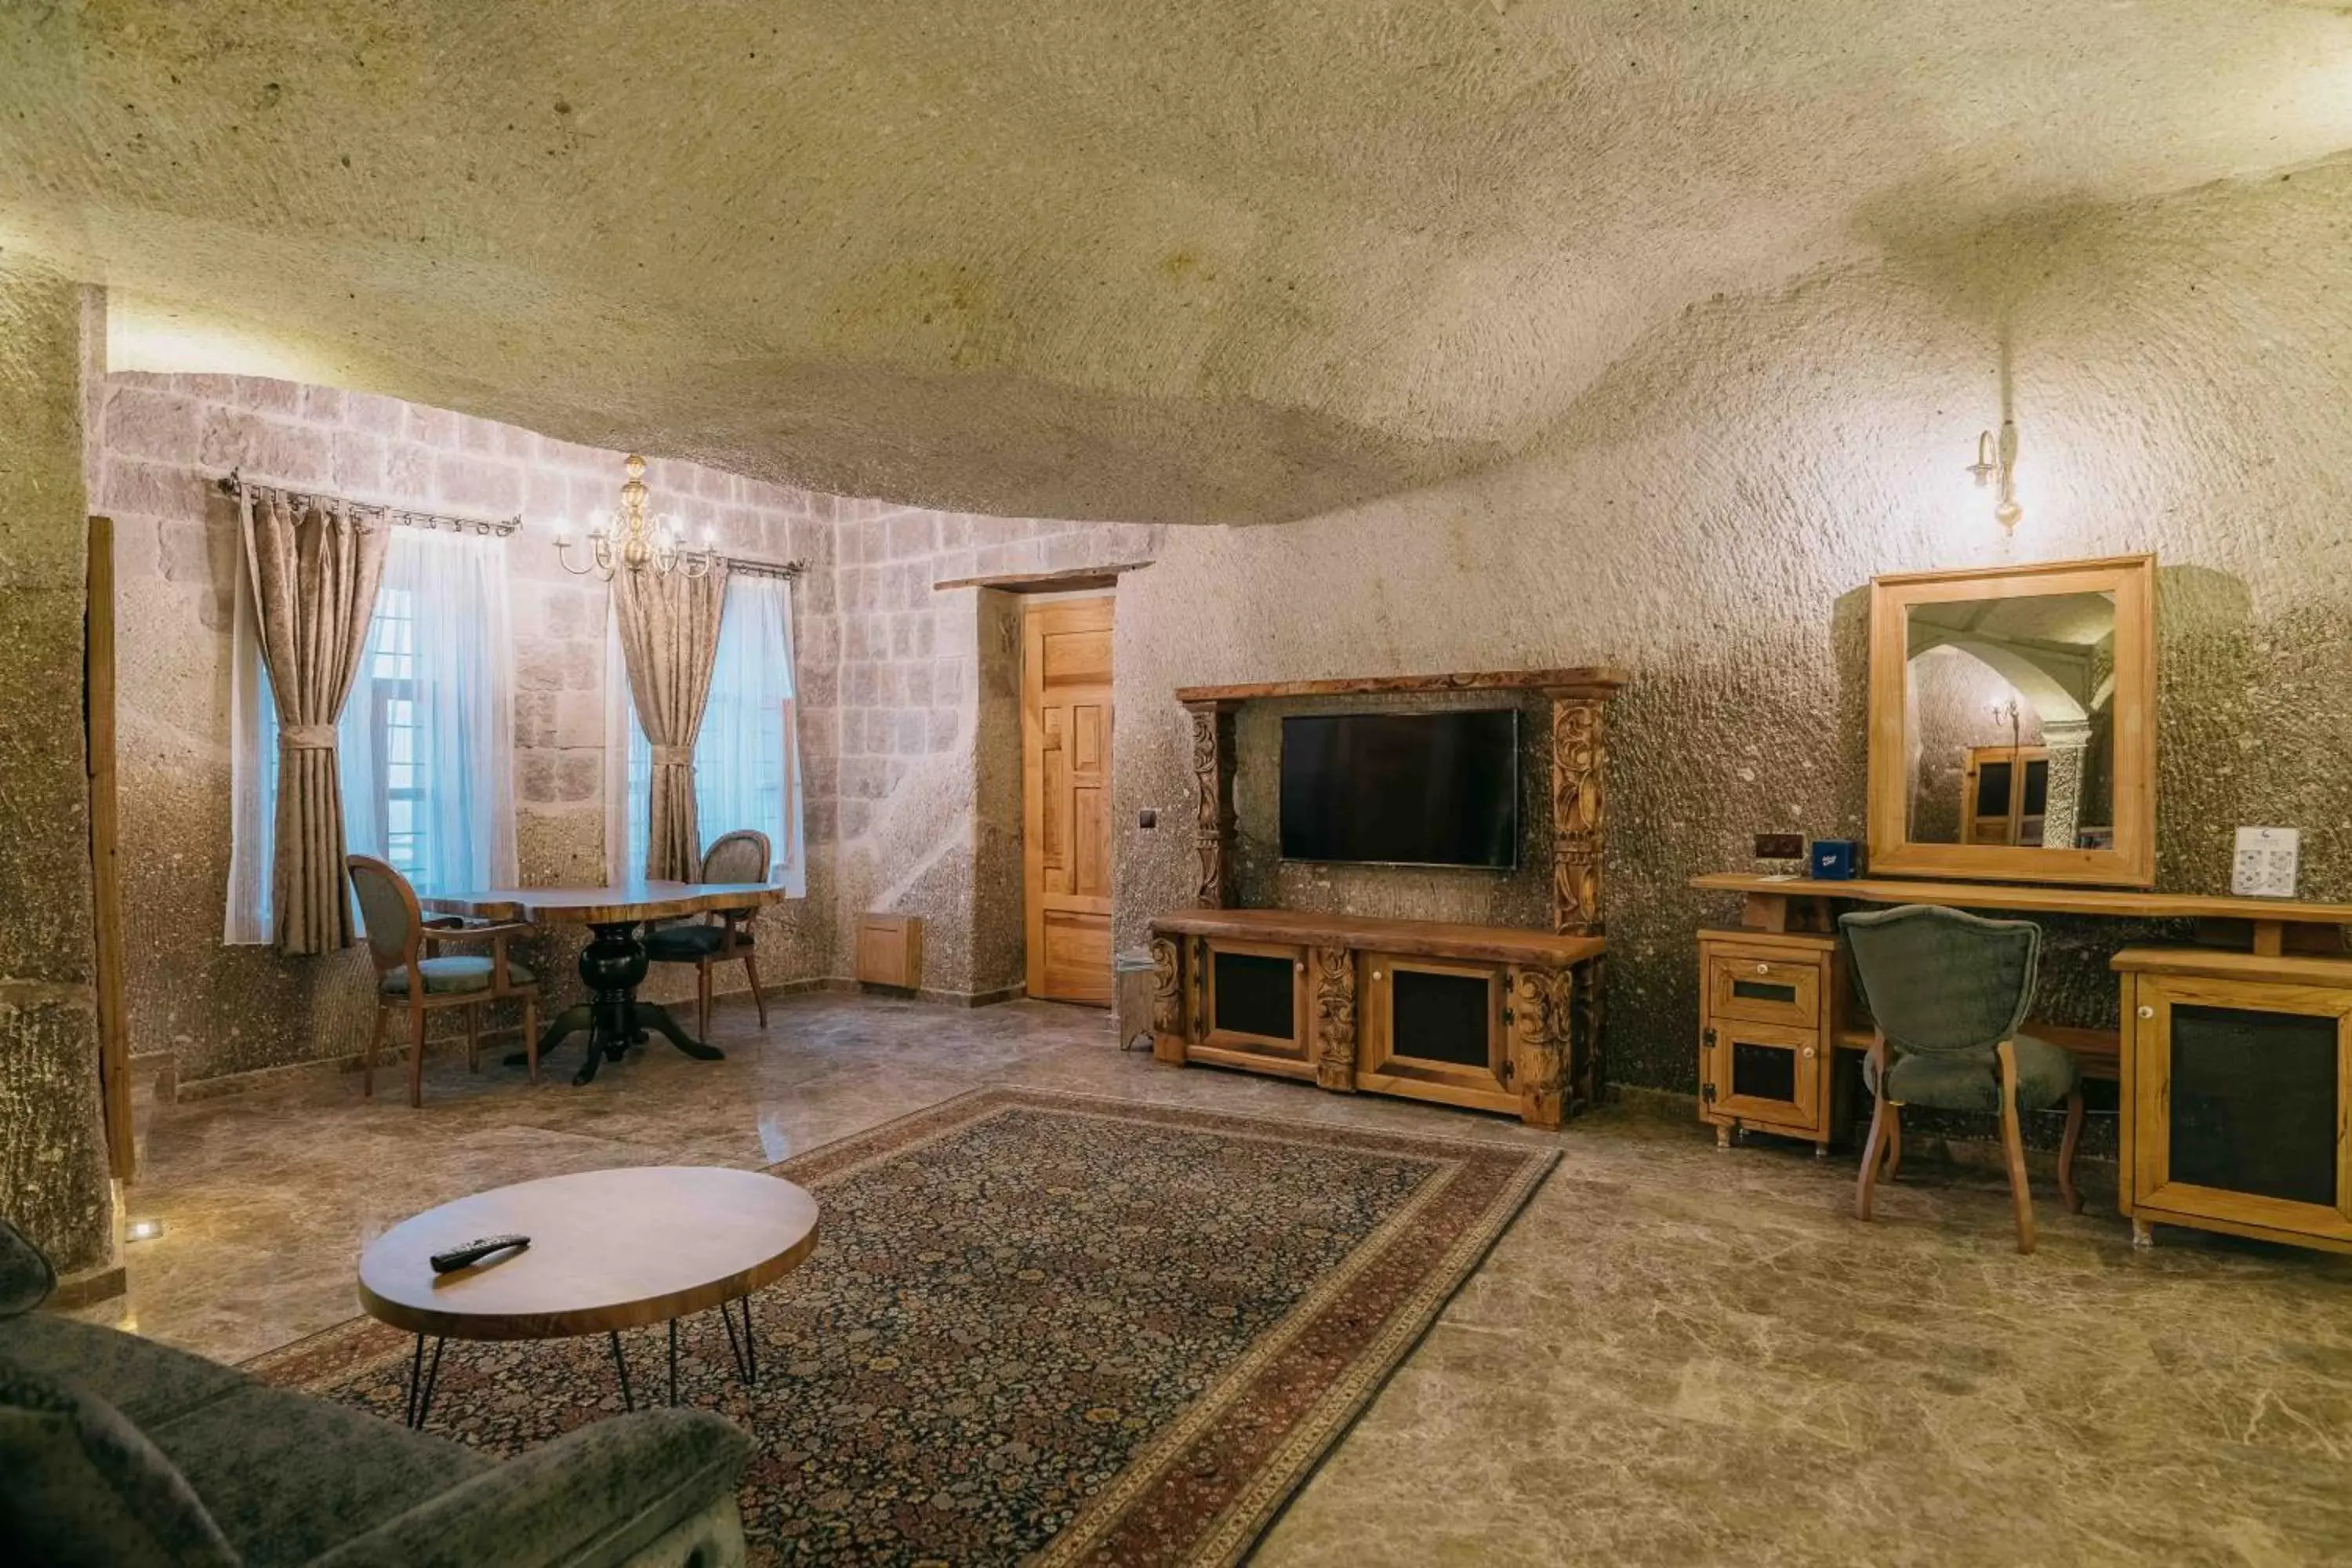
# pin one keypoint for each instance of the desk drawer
(1763, 989)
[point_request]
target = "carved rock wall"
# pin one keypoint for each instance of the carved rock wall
(53, 1173)
(1709, 516)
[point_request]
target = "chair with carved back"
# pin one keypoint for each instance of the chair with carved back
(723, 936)
(411, 978)
(1949, 992)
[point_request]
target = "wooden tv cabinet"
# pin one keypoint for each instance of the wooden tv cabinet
(1491, 1018)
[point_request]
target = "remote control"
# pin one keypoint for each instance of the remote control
(473, 1252)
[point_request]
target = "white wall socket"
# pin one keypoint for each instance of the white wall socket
(2266, 862)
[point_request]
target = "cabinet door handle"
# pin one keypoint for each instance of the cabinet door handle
(1302, 966)
(1763, 969)
(1809, 1053)
(1376, 974)
(2148, 1012)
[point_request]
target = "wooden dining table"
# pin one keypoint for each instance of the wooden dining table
(613, 962)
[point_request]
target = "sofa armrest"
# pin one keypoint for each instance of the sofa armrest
(597, 1495)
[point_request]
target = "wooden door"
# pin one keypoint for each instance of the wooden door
(1065, 724)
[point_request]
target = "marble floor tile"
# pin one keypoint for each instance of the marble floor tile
(1677, 1355)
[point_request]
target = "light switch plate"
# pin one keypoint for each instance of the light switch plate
(2266, 862)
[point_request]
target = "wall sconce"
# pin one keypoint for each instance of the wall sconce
(1997, 459)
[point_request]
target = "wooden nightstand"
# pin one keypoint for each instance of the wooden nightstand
(1769, 1011)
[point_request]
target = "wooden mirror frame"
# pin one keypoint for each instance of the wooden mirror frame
(2131, 861)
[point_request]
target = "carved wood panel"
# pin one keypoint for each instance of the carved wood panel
(1213, 784)
(1580, 758)
(1335, 1018)
(1167, 1001)
(1543, 1042)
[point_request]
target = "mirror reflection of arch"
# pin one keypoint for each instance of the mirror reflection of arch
(2012, 738)
(2013, 723)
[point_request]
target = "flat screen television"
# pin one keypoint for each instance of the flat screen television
(1415, 789)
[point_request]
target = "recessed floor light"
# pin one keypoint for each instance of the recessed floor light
(143, 1230)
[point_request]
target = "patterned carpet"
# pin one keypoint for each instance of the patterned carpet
(1086, 1330)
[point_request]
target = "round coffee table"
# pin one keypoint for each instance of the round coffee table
(609, 1250)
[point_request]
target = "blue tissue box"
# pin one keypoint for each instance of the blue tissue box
(1835, 859)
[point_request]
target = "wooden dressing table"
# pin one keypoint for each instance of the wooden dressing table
(2259, 1014)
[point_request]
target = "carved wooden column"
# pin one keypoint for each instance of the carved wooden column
(1544, 1032)
(1212, 782)
(1167, 1000)
(1580, 802)
(1335, 1018)
(1580, 819)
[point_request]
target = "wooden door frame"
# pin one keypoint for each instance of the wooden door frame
(1033, 796)
(105, 834)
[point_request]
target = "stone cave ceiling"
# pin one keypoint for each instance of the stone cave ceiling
(1231, 261)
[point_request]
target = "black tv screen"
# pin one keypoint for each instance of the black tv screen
(1423, 789)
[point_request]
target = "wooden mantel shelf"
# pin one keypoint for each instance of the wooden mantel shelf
(1598, 680)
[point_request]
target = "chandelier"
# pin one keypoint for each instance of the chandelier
(634, 539)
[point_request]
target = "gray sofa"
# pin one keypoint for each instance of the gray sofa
(115, 1449)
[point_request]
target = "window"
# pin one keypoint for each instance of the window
(747, 755)
(393, 730)
(424, 740)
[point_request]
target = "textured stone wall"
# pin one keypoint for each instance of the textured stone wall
(53, 1173)
(164, 438)
(929, 692)
(1710, 514)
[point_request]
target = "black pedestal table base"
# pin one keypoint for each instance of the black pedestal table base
(612, 966)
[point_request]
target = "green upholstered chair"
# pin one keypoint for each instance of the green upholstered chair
(412, 977)
(721, 937)
(1949, 991)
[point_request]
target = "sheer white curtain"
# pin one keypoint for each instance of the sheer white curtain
(746, 764)
(427, 737)
(253, 776)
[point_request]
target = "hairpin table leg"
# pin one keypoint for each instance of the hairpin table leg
(421, 1379)
(621, 1365)
(746, 1352)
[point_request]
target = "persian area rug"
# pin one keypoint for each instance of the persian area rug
(1037, 1325)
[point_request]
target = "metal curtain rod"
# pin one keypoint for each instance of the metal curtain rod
(233, 481)
(498, 527)
(789, 571)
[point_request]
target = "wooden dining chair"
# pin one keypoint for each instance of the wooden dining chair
(411, 977)
(1949, 991)
(724, 935)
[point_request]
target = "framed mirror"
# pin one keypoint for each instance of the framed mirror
(2013, 723)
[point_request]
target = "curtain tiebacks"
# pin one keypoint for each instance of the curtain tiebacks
(307, 738)
(673, 756)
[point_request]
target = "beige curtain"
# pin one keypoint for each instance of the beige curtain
(669, 636)
(315, 573)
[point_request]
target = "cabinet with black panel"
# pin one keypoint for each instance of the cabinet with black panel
(1768, 1032)
(2237, 1077)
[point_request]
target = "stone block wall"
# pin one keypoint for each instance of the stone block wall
(162, 442)
(930, 726)
(908, 712)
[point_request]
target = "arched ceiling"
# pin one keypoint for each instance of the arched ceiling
(1229, 260)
